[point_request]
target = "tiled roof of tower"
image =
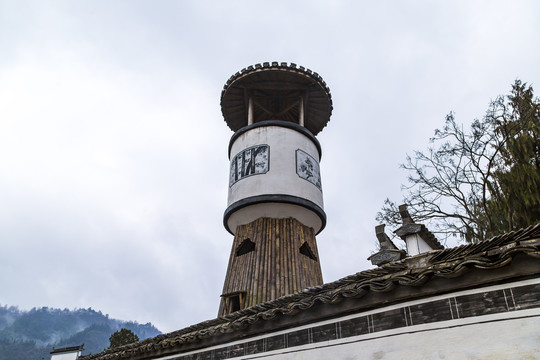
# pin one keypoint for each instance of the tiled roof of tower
(276, 87)
(416, 271)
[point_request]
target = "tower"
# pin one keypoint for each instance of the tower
(275, 202)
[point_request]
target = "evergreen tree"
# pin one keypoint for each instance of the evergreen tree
(122, 337)
(515, 200)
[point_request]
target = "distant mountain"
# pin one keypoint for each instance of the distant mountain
(31, 335)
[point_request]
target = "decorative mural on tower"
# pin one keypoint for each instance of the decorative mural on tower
(308, 168)
(251, 161)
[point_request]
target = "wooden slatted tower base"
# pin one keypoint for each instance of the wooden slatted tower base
(270, 258)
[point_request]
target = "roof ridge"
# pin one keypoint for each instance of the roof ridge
(443, 263)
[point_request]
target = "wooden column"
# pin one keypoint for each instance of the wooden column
(301, 112)
(283, 261)
(250, 110)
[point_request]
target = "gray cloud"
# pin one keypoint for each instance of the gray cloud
(113, 165)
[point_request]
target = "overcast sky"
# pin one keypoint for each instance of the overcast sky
(113, 149)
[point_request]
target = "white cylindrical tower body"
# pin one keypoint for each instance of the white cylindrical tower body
(274, 172)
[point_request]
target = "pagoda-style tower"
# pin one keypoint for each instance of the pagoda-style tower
(275, 203)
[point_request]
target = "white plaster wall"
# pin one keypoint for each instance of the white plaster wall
(508, 339)
(280, 179)
(66, 356)
(416, 245)
(276, 211)
(506, 335)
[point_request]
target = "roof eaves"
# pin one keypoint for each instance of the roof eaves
(491, 254)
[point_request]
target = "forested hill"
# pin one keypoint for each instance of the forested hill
(31, 335)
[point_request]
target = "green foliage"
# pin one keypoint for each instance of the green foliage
(478, 183)
(95, 338)
(122, 337)
(13, 350)
(32, 334)
(515, 200)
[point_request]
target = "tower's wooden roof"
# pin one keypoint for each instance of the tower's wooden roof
(276, 89)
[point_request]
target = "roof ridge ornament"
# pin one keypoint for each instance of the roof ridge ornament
(388, 251)
(417, 237)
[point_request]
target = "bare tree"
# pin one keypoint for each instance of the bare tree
(455, 186)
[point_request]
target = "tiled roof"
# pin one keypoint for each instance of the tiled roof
(270, 76)
(67, 349)
(421, 230)
(410, 227)
(413, 271)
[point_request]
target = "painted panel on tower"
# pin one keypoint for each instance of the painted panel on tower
(251, 161)
(308, 168)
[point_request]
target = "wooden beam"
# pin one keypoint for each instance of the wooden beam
(287, 108)
(301, 112)
(263, 108)
(250, 110)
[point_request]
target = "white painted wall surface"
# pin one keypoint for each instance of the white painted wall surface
(280, 179)
(415, 245)
(507, 335)
(66, 356)
(276, 211)
(508, 339)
